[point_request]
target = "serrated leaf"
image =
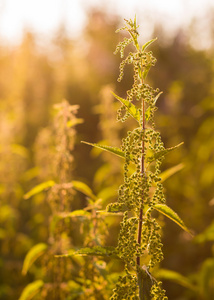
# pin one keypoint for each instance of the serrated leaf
(92, 251)
(115, 150)
(169, 172)
(31, 290)
(34, 253)
(161, 153)
(39, 188)
(171, 214)
(116, 207)
(83, 188)
(175, 277)
(148, 44)
(131, 108)
(96, 251)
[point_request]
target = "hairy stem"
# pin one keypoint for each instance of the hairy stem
(142, 175)
(140, 222)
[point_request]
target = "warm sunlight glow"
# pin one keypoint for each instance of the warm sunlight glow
(44, 17)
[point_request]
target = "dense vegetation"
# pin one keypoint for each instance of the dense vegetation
(41, 145)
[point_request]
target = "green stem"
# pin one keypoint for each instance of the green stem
(140, 222)
(142, 175)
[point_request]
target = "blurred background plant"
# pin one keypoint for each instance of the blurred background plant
(32, 79)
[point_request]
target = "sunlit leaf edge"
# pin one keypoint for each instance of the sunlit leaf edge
(33, 254)
(31, 290)
(83, 188)
(115, 150)
(171, 214)
(147, 44)
(39, 188)
(134, 112)
(175, 277)
(92, 251)
(161, 153)
(171, 171)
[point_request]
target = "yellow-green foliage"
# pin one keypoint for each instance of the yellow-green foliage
(139, 241)
(32, 80)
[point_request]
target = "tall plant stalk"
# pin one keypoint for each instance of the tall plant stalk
(142, 174)
(139, 241)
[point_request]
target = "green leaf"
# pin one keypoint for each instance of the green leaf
(96, 251)
(31, 290)
(34, 253)
(83, 188)
(147, 284)
(92, 251)
(116, 207)
(74, 214)
(108, 193)
(114, 150)
(148, 44)
(156, 98)
(39, 188)
(167, 211)
(131, 108)
(161, 153)
(146, 71)
(175, 277)
(148, 111)
(169, 172)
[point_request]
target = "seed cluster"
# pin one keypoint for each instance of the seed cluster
(142, 188)
(126, 288)
(157, 292)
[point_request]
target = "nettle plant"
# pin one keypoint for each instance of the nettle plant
(62, 271)
(55, 158)
(141, 194)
